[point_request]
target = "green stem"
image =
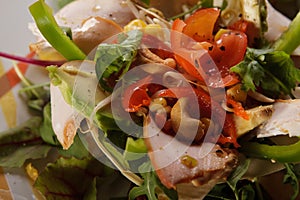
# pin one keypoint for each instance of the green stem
(290, 39)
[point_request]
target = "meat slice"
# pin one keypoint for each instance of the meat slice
(177, 162)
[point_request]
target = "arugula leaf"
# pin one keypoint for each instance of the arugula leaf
(115, 59)
(151, 187)
(272, 71)
(291, 178)
(247, 192)
(237, 174)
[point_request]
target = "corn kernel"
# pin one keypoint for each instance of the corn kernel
(135, 24)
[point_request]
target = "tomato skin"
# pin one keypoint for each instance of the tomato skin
(136, 96)
(200, 25)
(249, 28)
(229, 49)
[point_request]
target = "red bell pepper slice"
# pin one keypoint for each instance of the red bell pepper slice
(136, 96)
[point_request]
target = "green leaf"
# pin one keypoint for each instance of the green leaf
(151, 187)
(115, 59)
(21, 143)
(46, 129)
(69, 178)
(147, 2)
(135, 149)
(272, 71)
(91, 193)
(76, 150)
(18, 156)
(247, 192)
(291, 178)
(237, 174)
(24, 133)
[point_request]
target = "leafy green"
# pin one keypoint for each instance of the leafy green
(22, 153)
(115, 59)
(76, 150)
(237, 174)
(135, 149)
(46, 129)
(21, 143)
(70, 178)
(151, 187)
(147, 2)
(235, 187)
(292, 178)
(272, 71)
(246, 191)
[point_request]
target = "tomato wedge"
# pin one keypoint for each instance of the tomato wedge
(200, 25)
(229, 49)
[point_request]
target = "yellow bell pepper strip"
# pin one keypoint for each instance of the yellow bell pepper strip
(280, 153)
(49, 28)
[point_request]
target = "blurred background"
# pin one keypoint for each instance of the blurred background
(287, 7)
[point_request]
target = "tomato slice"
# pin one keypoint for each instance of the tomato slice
(200, 25)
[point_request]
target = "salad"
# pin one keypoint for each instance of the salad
(159, 100)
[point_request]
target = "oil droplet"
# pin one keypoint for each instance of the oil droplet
(96, 8)
(188, 161)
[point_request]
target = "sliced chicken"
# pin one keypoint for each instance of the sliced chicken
(176, 162)
(257, 116)
(284, 121)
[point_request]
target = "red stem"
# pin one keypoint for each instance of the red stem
(31, 60)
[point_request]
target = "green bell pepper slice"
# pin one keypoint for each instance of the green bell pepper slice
(279, 153)
(49, 28)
